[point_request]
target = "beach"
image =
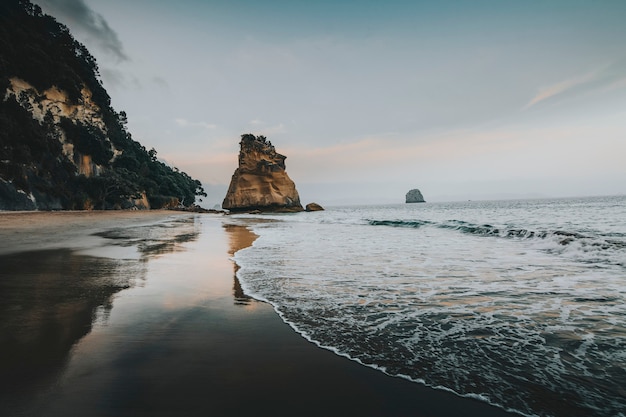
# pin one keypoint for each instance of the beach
(141, 314)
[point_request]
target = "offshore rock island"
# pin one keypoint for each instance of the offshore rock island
(260, 183)
(414, 196)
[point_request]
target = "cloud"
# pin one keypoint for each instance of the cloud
(119, 79)
(78, 15)
(603, 79)
(559, 88)
(186, 123)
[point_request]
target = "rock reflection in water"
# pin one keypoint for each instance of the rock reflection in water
(50, 299)
(239, 237)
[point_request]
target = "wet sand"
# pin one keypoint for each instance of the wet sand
(140, 314)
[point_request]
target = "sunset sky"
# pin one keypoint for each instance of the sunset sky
(368, 99)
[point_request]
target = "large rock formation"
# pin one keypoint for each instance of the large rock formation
(261, 182)
(414, 196)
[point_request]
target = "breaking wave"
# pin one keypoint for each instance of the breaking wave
(586, 242)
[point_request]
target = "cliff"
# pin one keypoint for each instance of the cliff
(414, 196)
(261, 182)
(62, 146)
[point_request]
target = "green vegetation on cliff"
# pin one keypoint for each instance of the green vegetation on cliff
(43, 156)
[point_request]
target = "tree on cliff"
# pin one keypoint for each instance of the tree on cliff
(37, 49)
(250, 137)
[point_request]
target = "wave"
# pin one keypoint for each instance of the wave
(587, 241)
(399, 223)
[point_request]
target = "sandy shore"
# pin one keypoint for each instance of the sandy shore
(39, 230)
(140, 314)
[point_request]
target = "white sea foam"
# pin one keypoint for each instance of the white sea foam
(521, 303)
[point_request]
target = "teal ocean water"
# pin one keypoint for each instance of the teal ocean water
(520, 303)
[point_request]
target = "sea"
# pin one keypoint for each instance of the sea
(519, 303)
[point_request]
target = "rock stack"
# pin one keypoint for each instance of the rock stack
(414, 196)
(260, 183)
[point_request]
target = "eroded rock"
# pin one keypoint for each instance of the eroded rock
(261, 182)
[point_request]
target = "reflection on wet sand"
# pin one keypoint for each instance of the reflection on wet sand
(50, 299)
(156, 239)
(49, 302)
(239, 237)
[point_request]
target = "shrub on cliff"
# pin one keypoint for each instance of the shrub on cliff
(36, 48)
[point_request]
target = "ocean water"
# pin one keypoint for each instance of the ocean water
(519, 303)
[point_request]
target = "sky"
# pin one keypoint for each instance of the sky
(369, 99)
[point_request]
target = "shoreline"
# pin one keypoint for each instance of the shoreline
(159, 326)
(428, 400)
(41, 230)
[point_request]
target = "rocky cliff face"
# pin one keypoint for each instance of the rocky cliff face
(52, 107)
(414, 196)
(62, 146)
(261, 182)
